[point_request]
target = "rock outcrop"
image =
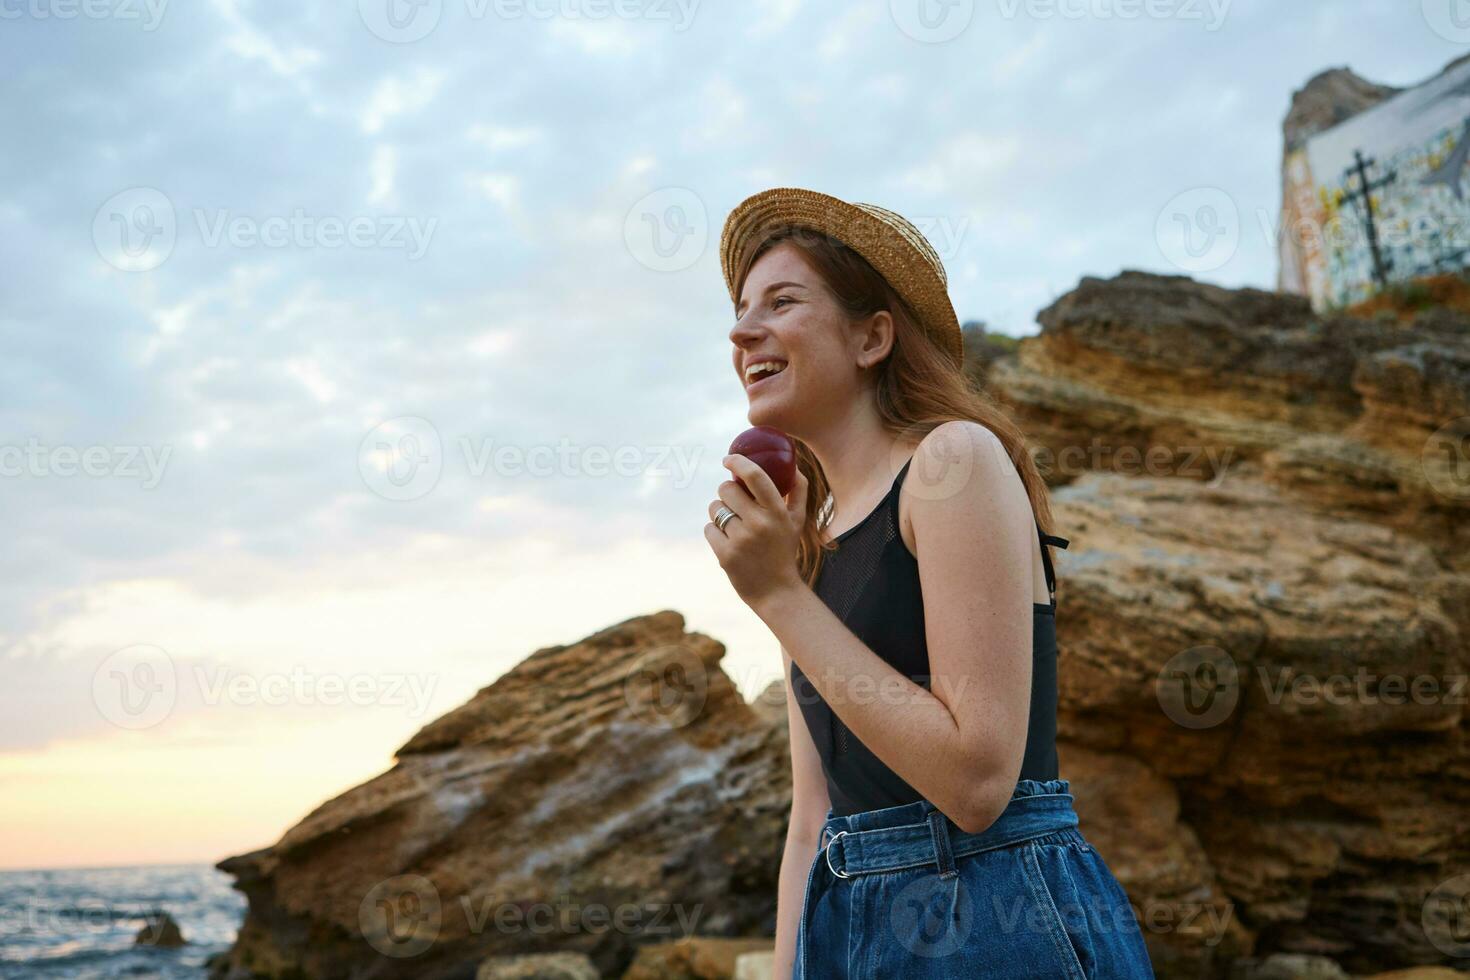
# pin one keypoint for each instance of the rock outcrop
(1328, 98)
(538, 966)
(159, 929)
(1152, 375)
(600, 796)
(1262, 614)
(694, 959)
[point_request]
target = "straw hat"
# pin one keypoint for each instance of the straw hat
(889, 242)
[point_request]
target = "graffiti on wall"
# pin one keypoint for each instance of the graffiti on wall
(1381, 197)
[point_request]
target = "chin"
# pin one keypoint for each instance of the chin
(771, 412)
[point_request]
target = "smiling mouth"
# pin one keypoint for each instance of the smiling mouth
(759, 383)
(763, 371)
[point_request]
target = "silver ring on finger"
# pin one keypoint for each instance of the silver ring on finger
(723, 515)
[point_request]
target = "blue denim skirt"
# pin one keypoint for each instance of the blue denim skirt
(903, 893)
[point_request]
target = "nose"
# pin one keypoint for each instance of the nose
(746, 331)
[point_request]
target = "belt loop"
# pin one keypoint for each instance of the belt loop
(939, 830)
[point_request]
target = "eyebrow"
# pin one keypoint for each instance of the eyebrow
(769, 289)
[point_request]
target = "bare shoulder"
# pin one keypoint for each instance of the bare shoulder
(956, 466)
(958, 439)
(960, 458)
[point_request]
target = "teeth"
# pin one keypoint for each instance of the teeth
(774, 367)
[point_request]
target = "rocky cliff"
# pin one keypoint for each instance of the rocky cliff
(1262, 620)
(1262, 616)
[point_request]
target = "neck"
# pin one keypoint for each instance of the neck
(859, 456)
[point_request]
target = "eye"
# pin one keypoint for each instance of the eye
(778, 300)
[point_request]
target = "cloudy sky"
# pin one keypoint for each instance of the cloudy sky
(352, 351)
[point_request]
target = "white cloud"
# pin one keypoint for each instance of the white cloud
(604, 36)
(1021, 61)
(640, 165)
(497, 138)
(384, 172)
(962, 159)
(249, 42)
(723, 118)
(502, 188)
(770, 17)
(855, 25)
(397, 96)
(492, 343)
(309, 373)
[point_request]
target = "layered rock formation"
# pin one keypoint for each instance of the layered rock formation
(1262, 615)
(1163, 376)
(599, 797)
(1262, 622)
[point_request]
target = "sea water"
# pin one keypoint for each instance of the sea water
(80, 923)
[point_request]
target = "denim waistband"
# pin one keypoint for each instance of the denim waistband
(917, 834)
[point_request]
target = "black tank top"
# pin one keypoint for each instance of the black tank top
(871, 583)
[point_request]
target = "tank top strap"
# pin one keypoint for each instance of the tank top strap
(1046, 539)
(1051, 575)
(892, 500)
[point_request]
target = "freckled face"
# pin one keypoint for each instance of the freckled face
(788, 319)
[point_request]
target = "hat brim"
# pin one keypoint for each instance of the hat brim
(900, 254)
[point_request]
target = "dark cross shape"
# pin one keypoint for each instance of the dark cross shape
(1364, 196)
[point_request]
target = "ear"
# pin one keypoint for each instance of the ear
(874, 338)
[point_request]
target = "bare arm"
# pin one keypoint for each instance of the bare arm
(960, 742)
(809, 805)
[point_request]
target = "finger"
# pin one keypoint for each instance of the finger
(734, 497)
(717, 542)
(714, 508)
(757, 480)
(797, 507)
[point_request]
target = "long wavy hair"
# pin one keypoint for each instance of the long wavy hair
(918, 386)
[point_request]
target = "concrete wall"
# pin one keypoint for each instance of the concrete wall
(1422, 216)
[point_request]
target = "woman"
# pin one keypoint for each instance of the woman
(930, 835)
